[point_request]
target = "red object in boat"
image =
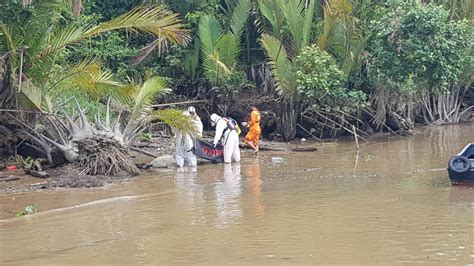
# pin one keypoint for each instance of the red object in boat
(11, 167)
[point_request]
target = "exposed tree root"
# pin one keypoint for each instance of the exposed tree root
(102, 156)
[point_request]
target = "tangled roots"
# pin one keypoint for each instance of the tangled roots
(101, 156)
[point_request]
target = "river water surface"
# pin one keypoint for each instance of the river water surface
(390, 204)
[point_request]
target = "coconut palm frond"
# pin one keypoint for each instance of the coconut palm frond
(142, 100)
(96, 81)
(9, 40)
(175, 119)
(155, 20)
(282, 67)
(60, 39)
(240, 14)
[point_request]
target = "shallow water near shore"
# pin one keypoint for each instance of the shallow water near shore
(390, 203)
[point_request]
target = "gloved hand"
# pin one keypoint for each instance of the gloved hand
(215, 144)
(245, 124)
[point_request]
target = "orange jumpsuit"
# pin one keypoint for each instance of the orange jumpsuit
(254, 131)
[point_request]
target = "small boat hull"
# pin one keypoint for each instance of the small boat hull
(466, 178)
(461, 166)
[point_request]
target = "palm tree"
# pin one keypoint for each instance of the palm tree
(35, 45)
(339, 36)
(220, 48)
(282, 48)
(31, 46)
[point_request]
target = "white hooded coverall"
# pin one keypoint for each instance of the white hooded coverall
(184, 147)
(184, 150)
(230, 140)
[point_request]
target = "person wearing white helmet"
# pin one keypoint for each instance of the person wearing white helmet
(196, 120)
(184, 148)
(227, 134)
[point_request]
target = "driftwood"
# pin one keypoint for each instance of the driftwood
(144, 152)
(8, 178)
(179, 103)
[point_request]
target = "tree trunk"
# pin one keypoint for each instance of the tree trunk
(5, 83)
(289, 111)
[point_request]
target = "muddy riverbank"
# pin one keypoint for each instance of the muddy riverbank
(143, 152)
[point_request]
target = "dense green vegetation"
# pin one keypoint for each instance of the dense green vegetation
(378, 65)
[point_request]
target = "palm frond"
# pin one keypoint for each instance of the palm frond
(191, 61)
(214, 69)
(219, 50)
(32, 97)
(308, 22)
(11, 41)
(282, 67)
(96, 82)
(155, 20)
(228, 47)
(175, 119)
(294, 17)
(209, 31)
(40, 23)
(353, 57)
(272, 12)
(239, 17)
(142, 100)
(339, 37)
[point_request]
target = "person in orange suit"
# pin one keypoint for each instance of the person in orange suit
(253, 136)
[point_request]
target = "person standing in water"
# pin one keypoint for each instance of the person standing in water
(184, 147)
(253, 136)
(226, 132)
(196, 120)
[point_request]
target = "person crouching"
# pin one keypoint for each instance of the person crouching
(229, 137)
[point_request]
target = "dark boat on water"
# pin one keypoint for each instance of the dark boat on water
(461, 167)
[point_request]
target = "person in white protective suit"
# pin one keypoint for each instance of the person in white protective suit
(184, 148)
(229, 138)
(196, 120)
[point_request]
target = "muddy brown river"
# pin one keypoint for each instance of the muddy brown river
(390, 204)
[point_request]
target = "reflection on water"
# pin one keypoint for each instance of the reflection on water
(226, 188)
(391, 203)
(252, 171)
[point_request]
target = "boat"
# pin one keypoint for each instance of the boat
(461, 166)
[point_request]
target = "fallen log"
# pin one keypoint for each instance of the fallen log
(8, 178)
(144, 152)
